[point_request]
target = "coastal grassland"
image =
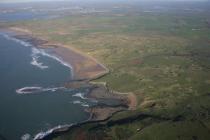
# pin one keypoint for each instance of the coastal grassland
(163, 58)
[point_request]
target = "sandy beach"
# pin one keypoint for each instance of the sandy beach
(84, 67)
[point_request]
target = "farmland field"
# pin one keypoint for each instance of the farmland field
(162, 55)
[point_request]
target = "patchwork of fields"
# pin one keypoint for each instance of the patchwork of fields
(163, 58)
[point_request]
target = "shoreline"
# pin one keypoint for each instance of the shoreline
(85, 69)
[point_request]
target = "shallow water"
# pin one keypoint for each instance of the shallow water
(47, 105)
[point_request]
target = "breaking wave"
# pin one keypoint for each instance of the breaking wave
(82, 96)
(36, 52)
(35, 59)
(35, 55)
(33, 90)
(24, 43)
(77, 102)
(79, 95)
(42, 135)
(81, 103)
(38, 64)
(26, 137)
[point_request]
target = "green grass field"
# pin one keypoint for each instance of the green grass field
(163, 58)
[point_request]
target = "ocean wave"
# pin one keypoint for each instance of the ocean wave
(35, 59)
(77, 102)
(26, 137)
(38, 64)
(84, 104)
(33, 90)
(79, 95)
(24, 43)
(27, 90)
(82, 96)
(36, 52)
(42, 135)
(34, 56)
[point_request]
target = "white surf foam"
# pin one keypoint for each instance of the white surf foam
(53, 89)
(77, 102)
(85, 105)
(28, 90)
(36, 52)
(79, 95)
(33, 90)
(16, 40)
(26, 137)
(35, 59)
(81, 103)
(42, 135)
(38, 64)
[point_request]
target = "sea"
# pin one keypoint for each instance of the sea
(33, 99)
